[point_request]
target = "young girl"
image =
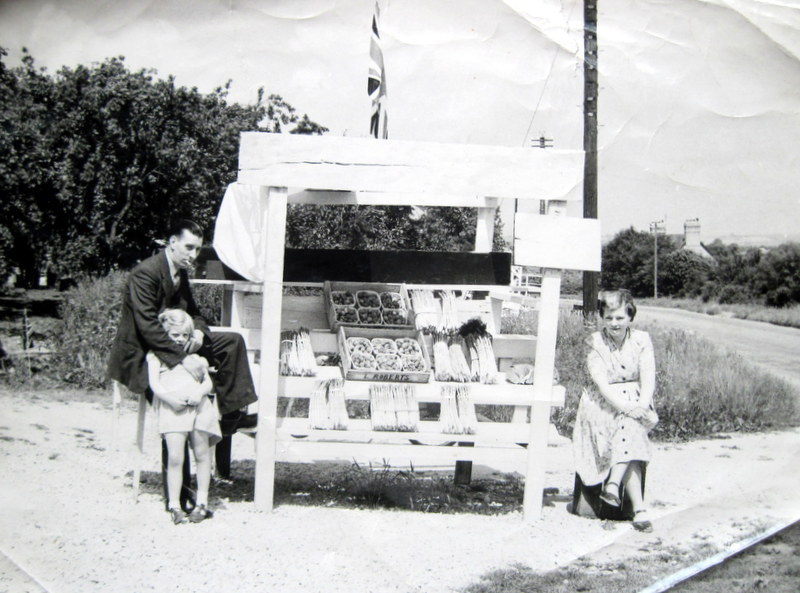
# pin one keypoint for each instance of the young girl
(184, 408)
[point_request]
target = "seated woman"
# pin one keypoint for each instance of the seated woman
(610, 442)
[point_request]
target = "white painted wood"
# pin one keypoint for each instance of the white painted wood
(116, 404)
(429, 431)
(542, 387)
(362, 198)
(484, 227)
(396, 455)
(557, 242)
(274, 226)
(139, 455)
(361, 164)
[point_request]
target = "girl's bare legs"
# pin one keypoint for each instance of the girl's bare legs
(175, 447)
(202, 456)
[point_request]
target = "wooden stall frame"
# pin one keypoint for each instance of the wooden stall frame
(340, 171)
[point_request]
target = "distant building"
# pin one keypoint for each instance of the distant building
(691, 238)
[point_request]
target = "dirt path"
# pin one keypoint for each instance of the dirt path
(67, 519)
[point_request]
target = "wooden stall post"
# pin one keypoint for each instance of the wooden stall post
(273, 238)
(484, 239)
(542, 387)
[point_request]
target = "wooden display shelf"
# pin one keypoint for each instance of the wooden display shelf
(483, 394)
(398, 455)
(429, 433)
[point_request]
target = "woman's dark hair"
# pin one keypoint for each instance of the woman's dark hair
(184, 224)
(614, 299)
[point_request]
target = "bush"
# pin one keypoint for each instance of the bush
(208, 298)
(89, 318)
(734, 293)
(780, 297)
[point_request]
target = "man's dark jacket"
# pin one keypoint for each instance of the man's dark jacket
(149, 290)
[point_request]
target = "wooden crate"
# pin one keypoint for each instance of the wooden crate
(379, 375)
(354, 287)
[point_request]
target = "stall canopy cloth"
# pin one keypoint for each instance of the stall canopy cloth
(237, 234)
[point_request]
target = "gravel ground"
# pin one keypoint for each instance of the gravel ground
(68, 523)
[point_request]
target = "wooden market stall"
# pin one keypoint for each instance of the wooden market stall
(332, 171)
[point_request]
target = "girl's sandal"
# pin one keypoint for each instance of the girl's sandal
(178, 516)
(641, 523)
(200, 513)
(609, 497)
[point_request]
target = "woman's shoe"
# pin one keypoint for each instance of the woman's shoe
(609, 497)
(178, 516)
(200, 513)
(641, 523)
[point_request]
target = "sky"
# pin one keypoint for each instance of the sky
(699, 106)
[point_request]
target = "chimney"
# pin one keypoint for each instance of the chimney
(691, 234)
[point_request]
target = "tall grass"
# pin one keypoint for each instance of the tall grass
(701, 389)
(785, 316)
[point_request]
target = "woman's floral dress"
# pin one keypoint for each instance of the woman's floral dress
(603, 437)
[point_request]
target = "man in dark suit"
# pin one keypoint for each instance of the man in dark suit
(162, 282)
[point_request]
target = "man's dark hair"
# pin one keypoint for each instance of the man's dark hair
(184, 224)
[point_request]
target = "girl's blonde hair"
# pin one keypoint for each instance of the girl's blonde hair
(176, 318)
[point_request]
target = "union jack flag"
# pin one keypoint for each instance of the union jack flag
(376, 82)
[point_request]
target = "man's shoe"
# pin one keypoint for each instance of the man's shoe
(247, 421)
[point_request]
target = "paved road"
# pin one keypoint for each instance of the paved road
(770, 346)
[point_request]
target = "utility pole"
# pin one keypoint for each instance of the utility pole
(590, 88)
(542, 142)
(657, 228)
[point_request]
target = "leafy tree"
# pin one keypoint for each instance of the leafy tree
(684, 273)
(734, 265)
(627, 261)
(101, 159)
(779, 275)
(385, 228)
(28, 177)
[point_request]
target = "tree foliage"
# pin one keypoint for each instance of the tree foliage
(98, 160)
(731, 275)
(396, 227)
(627, 261)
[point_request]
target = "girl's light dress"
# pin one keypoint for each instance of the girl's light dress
(603, 437)
(203, 417)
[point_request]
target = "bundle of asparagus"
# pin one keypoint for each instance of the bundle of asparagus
(461, 371)
(478, 341)
(449, 319)
(466, 409)
(326, 407)
(393, 408)
(448, 416)
(337, 408)
(297, 357)
(457, 411)
(424, 305)
(318, 418)
(443, 369)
